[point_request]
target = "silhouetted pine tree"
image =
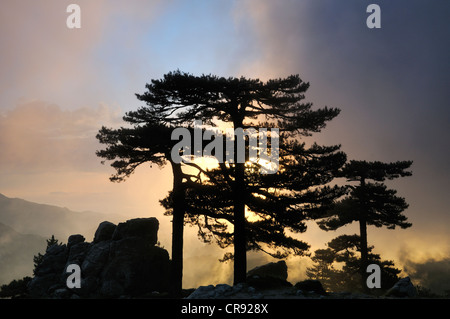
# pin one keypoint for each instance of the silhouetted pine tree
(242, 103)
(338, 266)
(178, 99)
(37, 259)
(369, 202)
(277, 201)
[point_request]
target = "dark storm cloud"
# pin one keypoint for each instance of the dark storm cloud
(391, 84)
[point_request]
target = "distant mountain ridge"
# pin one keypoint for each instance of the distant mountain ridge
(16, 253)
(45, 220)
(25, 226)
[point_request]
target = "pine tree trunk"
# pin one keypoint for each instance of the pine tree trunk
(364, 251)
(240, 238)
(176, 272)
(240, 241)
(363, 238)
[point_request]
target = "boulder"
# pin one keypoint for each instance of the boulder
(104, 231)
(75, 239)
(269, 276)
(311, 286)
(48, 271)
(40, 286)
(272, 270)
(144, 228)
(77, 253)
(53, 261)
(203, 292)
(261, 283)
(136, 267)
(403, 288)
(96, 259)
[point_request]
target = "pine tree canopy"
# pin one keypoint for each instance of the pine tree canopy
(378, 205)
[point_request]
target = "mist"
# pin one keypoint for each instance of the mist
(432, 274)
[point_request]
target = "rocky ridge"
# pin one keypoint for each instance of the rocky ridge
(122, 261)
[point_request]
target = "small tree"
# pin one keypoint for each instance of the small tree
(37, 259)
(338, 266)
(369, 202)
(19, 288)
(323, 269)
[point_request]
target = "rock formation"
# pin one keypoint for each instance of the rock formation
(269, 276)
(403, 288)
(311, 286)
(122, 261)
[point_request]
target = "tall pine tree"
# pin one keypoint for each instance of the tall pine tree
(178, 99)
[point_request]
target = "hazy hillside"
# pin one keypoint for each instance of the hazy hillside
(25, 226)
(45, 220)
(16, 253)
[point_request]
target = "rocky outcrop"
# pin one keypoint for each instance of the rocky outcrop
(311, 286)
(274, 270)
(403, 288)
(269, 276)
(269, 279)
(122, 261)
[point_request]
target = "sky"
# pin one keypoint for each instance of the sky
(58, 86)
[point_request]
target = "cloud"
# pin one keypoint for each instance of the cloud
(432, 274)
(40, 54)
(36, 136)
(42, 58)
